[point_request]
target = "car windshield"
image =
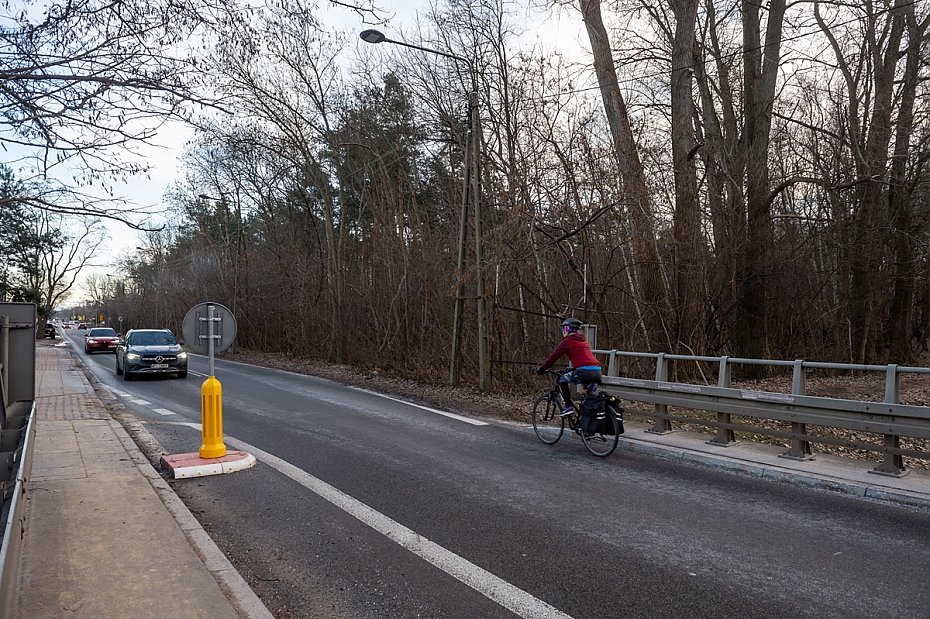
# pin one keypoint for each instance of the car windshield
(102, 333)
(152, 339)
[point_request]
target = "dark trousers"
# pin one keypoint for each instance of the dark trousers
(590, 379)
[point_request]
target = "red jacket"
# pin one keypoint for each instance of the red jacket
(576, 347)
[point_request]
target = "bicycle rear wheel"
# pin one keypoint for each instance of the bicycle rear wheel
(603, 441)
(547, 422)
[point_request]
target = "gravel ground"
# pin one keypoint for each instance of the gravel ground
(515, 405)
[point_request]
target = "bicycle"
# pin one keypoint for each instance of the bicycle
(549, 425)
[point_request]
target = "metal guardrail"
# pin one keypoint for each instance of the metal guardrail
(12, 514)
(17, 437)
(889, 419)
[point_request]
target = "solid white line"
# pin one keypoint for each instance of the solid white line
(163, 411)
(473, 422)
(484, 582)
(197, 373)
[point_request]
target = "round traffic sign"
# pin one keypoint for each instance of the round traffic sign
(196, 328)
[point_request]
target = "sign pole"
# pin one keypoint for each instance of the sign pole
(209, 328)
(211, 334)
(211, 401)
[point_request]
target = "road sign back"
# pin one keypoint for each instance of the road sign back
(196, 328)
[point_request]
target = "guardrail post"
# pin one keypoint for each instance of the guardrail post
(725, 436)
(800, 448)
(892, 464)
(660, 422)
(892, 384)
(612, 369)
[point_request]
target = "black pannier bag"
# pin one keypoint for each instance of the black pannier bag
(613, 402)
(592, 413)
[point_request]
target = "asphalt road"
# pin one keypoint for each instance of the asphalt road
(363, 506)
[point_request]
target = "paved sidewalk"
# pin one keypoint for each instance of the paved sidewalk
(105, 535)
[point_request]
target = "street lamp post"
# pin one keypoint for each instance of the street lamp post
(471, 188)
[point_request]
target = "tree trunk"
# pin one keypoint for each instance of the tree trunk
(689, 271)
(868, 293)
(900, 317)
(759, 78)
(656, 309)
(879, 55)
(725, 163)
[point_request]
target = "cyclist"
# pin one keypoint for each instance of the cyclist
(586, 369)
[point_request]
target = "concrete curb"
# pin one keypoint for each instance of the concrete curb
(135, 437)
(186, 465)
(772, 471)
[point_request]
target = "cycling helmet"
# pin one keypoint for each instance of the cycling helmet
(571, 323)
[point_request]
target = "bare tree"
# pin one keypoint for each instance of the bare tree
(870, 122)
(86, 80)
(902, 183)
(656, 310)
(85, 83)
(41, 257)
(761, 60)
(688, 235)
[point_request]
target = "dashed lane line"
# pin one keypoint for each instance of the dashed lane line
(129, 397)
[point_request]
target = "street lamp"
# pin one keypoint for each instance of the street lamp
(471, 187)
(376, 36)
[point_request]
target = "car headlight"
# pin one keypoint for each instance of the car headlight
(133, 356)
(182, 355)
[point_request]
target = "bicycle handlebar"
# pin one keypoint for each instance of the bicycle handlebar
(551, 372)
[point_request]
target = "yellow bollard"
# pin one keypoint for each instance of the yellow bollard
(211, 415)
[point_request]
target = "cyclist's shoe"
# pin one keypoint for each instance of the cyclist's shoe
(568, 411)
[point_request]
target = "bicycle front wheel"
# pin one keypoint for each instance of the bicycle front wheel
(547, 422)
(603, 441)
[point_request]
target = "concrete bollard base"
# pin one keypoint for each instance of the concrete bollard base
(182, 466)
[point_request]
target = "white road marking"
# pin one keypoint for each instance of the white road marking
(473, 422)
(119, 393)
(197, 373)
(163, 411)
(484, 582)
(140, 402)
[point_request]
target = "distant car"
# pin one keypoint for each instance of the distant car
(150, 351)
(66, 325)
(82, 326)
(49, 331)
(101, 339)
